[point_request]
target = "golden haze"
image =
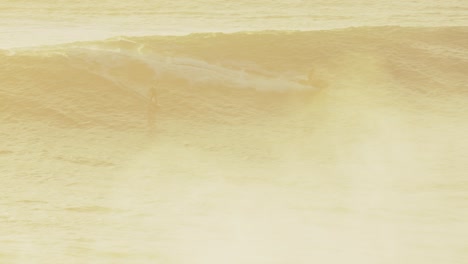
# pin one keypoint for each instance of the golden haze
(332, 146)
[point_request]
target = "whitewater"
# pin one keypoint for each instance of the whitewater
(266, 132)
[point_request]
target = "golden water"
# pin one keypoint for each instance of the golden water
(331, 146)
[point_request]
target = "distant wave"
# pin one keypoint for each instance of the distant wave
(107, 82)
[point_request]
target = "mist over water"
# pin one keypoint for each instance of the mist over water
(330, 146)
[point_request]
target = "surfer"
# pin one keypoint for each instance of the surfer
(152, 108)
(315, 81)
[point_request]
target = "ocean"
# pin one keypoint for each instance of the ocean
(42, 22)
(233, 132)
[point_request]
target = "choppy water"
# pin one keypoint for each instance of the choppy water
(331, 146)
(26, 23)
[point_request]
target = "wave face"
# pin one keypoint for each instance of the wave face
(339, 136)
(108, 81)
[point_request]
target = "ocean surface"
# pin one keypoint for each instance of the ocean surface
(234, 132)
(26, 22)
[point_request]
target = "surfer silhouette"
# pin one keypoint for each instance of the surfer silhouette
(315, 81)
(153, 106)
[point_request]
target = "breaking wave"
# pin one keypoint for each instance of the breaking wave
(192, 149)
(220, 77)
